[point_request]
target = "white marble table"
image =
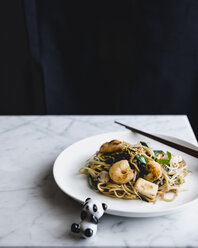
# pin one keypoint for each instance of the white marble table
(34, 212)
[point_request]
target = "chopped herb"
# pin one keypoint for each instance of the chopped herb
(163, 161)
(130, 149)
(91, 183)
(142, 159)
(158, 151)
(144, 143)
(163, 181)
(189, 171)
(169, 155)
(141, 163)
(143, 198)
(88, 164)
(85, 170)
(96, 158)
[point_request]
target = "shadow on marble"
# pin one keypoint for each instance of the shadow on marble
(54, 195)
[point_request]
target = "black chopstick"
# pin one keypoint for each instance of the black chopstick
(184, 149)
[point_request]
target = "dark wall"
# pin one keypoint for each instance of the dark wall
(20, 85)
(99, 57)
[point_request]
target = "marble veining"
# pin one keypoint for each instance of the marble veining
(34, 212)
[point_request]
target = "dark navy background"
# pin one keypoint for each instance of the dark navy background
(100, 57)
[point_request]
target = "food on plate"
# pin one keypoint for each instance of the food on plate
(146, 188)
(126, 171)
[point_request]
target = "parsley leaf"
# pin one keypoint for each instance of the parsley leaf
(142, 159)
(144, 143)
(158, 151)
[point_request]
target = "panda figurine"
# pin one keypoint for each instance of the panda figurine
(91, 212)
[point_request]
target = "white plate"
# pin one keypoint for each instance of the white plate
(75, 185)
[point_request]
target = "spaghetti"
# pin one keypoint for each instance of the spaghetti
(122, 170)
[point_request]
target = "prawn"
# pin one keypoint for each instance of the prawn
(121, 172)
(154, 170)
(112, 146)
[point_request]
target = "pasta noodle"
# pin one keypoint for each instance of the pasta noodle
(115, 169)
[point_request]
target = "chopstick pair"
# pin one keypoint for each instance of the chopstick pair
(182, 148)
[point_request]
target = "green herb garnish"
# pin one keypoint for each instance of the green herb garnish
(91, 183)
(144, 143)
(142, 159)
(158, 152)
(178, 180)
(165, 161)
(163, 181)
(96, 158)
(169, 155)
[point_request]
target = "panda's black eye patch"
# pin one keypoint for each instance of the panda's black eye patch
(95, 208)
(87, 207)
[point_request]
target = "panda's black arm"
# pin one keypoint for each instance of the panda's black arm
(83, 215)
(94, 219)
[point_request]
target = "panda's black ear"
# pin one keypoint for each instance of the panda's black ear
(104, 205)
(88, 199)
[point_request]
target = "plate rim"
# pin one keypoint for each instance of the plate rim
(150, 213)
